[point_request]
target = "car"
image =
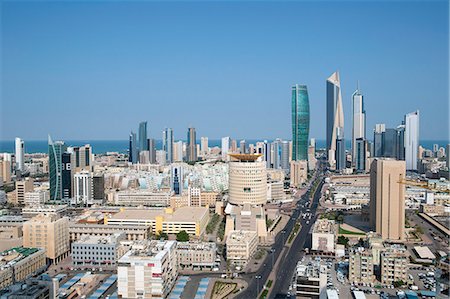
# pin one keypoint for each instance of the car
(215, 269)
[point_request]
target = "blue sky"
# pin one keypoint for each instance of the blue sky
(93, 70)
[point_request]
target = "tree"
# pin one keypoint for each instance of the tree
(398, 283)
(343, 240)
(162, 235)
(182, 236)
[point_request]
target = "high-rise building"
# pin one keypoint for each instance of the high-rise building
(5, 171)
(50, 232)
(378, 143)
(98, 188)
(359, 121)
(312, 160)
(447, 157)
(191, 146)
(267, 154)
(242, 147)
(66, 175)
(133, 152)
(83, 188)
(401, 142)
(55, 165)
(20, 155)
(143, 145)
(233, 147)
(22, 187)
(335, 120)
(299, 172)
(81, 158)
(151, 144)
(204, 146)
(360, 155)
(276, 153)
(284, 157)
(411, 140)
(300, 122)
(390, 146)
(176, 179)
(225, 148)
(387, 198)
(178, 151)
(168, 144)
(341, 159)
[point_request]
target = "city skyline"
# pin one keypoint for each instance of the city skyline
(99, 77)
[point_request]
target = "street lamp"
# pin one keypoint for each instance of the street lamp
(258, 277)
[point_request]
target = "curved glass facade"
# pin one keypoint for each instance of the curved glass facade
(300, 122)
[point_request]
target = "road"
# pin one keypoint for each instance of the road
(257, 279)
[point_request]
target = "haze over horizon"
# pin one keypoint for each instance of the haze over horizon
(93, 71)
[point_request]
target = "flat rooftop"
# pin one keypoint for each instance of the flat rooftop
(183, 214)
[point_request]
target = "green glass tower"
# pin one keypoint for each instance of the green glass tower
(300, 122)
(55, 167)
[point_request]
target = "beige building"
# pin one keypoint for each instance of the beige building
(324, 235)
(132, 232)
(36, 198)
(241, 246)
(193, 220)
(148, 270)
(11, 235)
(394, 264)
(49, 232)
(387, 198)
(299, 173)
(196, 254)
(310, 280)
(247, 179)
(18, 264)
(361, 266)
(22, 187)
(5, 171)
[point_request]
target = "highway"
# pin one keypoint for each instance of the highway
(258, 279)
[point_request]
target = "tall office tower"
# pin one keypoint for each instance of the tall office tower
(176, 178)
(55, 167)
(267, 154)
(83, 188)
(191, 147)
(401, 142)
(161, 157)
(133, 151)
(66, 175)
(81, 158)
(335, 119)
(143, 145)
(178, 151)
(204, 146)
(387, 198)
(435, 149)
(284, 157)
(242, 147)
(378, 143)
(151, 145)
(300, 122)
(341, 159)
(50, 232)
(233, 146)
(276, 153)
(22, 187)
(411, 140)
(168, 144)
(98, 188)
(225, 148)
(360, 155)
(20, 158)
(390, 143)
(359, 121)
(247, 180)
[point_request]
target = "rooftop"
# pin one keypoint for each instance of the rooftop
(424, 252)
(147, 249)
(239, 236)
(183, 214)
(89, 239)
(245, 157)
(324, 226)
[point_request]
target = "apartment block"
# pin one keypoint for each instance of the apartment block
(361, 266)
(241, 246)
(394, 264)
(196, 254)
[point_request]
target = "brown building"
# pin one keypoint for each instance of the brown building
(387, 198)
(23, 187)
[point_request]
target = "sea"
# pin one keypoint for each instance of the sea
(121, 146)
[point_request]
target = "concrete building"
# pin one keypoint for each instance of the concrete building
(142, 197)
(193, 220)
(299, 173)
(324, 236)
(168, 144)
(241, 246)
(361, 266)
(132, 232)
(412, 140)
(176, 178)
(83, 188)
(204, 146)
(18, 264)
(49, 232)
(225, 146)
(36, 198)
(178, 153)
(300, 124)
(20, 154)
(196, 254)
(22, 187)
(96, 251)
(5, 171)
(387, 198)
(394, 264)
(358, 122)
(148, 270)
(191, 146)
(32, 211)
(310, 280)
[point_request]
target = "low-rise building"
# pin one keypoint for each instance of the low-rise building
(96, 251)
(361, 266)
(299, 173)
(196, 254)
(241, 246)
(36, 198)
(394, 264)
(132, 232)
(22, 187)
(32, 211)
(324, 235)
(310, 280)
(148, 270)
(143, 197)
(18, 264)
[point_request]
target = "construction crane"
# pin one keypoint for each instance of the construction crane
(422, 184)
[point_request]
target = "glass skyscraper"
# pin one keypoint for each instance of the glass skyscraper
(143, 145)
(335, 122)
(168, 144)
(55, 167)
(300, 122)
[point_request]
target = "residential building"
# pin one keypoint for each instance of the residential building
(241, 246)
(148, 270)
(359, 121)
(204, 146)
(361, 266)
(299, 173)
(49, 232)
(394, 264)
(196, 254)
(387, 198)
(300, 123)
(411, 140)
(5, 171)
(22, 187)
